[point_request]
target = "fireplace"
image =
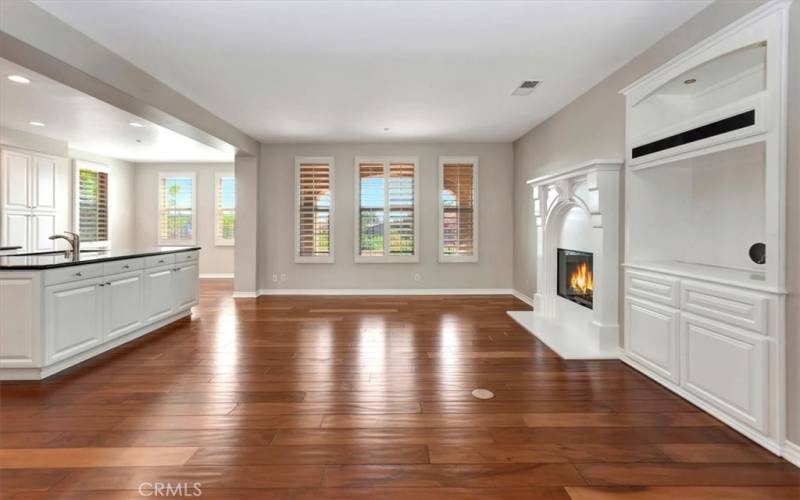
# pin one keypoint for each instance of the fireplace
(575, 276)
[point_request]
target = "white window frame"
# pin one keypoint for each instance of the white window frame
(385, 258)
(79, 165)
(193, 240)
(319, 259)
(475, 209)
(218, 176)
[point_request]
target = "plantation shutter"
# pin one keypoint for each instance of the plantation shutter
(314, 209)
(93, 205)
(458, 204)
(401, 209)
(372, 203)
(226, 209)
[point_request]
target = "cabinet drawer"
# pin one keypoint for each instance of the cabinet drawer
(654, 287)
(159, 260)
(186, 257)
(122, 266)
(727, 367)
(741, 309)
(72, 273)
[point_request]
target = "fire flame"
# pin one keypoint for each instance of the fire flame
(581, 279)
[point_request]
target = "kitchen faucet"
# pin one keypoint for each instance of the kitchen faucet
(74, 241)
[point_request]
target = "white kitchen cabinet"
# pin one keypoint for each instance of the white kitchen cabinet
(51, 319)
(42, 226)
(16, 176)
(185, 284)
(73, 318)
(43, 183)
(34, 199)
(123, 304)
(20, 317)
(160, 299)
(16, 229)
(651, 337)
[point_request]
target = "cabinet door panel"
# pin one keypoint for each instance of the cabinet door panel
(15, 230)
(16, 181)
(123, 304)
(725, 366)
(159, 294)
(73, 318)
(18, 328)
(186, 287)
(651, 337)
(44, 183)
(42, 227)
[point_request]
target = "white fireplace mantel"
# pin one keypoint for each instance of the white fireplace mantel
(573, 331)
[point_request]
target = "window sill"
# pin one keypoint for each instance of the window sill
(314, 260)
(410, 259)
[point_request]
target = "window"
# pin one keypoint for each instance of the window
(458, 209)
(91, 203)
(386, 197)
(176, 207)
(225, 208)
(314, 210)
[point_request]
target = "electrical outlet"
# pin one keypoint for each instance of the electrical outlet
(417, 276)
(283, 277)
(275, 277)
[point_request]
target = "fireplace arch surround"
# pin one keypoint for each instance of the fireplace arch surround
(570, 329)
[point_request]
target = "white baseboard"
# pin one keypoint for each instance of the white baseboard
(245, 295)
(791, 452)
(385, 291)
(216, 276)
(521, 296)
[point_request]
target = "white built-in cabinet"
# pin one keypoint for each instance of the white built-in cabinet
(32, 205)
(705, 171)
(55, 318)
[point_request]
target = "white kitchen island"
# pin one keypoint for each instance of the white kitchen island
(57, 311)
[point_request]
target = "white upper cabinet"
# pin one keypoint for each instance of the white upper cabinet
(16, 169)
(43, 186)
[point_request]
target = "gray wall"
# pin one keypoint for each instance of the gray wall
(276, 220)
(593, 126)
(121, 183)
(213, 259)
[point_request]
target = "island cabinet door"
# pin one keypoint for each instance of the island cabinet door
(186, 282)
(73, 318)
(159, 293)
(124, 306)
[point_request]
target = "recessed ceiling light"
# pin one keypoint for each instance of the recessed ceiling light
(37, 124)
(690, 81)
(19, 79)
(136, 124)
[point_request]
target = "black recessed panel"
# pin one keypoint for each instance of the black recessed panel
(735, 122)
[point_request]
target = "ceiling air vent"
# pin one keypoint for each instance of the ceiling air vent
(526, 87)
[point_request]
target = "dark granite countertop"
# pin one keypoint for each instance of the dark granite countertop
(37, 262)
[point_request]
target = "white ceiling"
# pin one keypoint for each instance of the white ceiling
(345, 70)
(89, 124)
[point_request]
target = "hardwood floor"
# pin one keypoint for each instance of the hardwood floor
(362, 398)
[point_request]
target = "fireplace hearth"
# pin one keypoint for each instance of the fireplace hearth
(575, 276)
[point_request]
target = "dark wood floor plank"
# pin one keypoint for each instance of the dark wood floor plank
(685, 493)
(644, 474)
(312, 454)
